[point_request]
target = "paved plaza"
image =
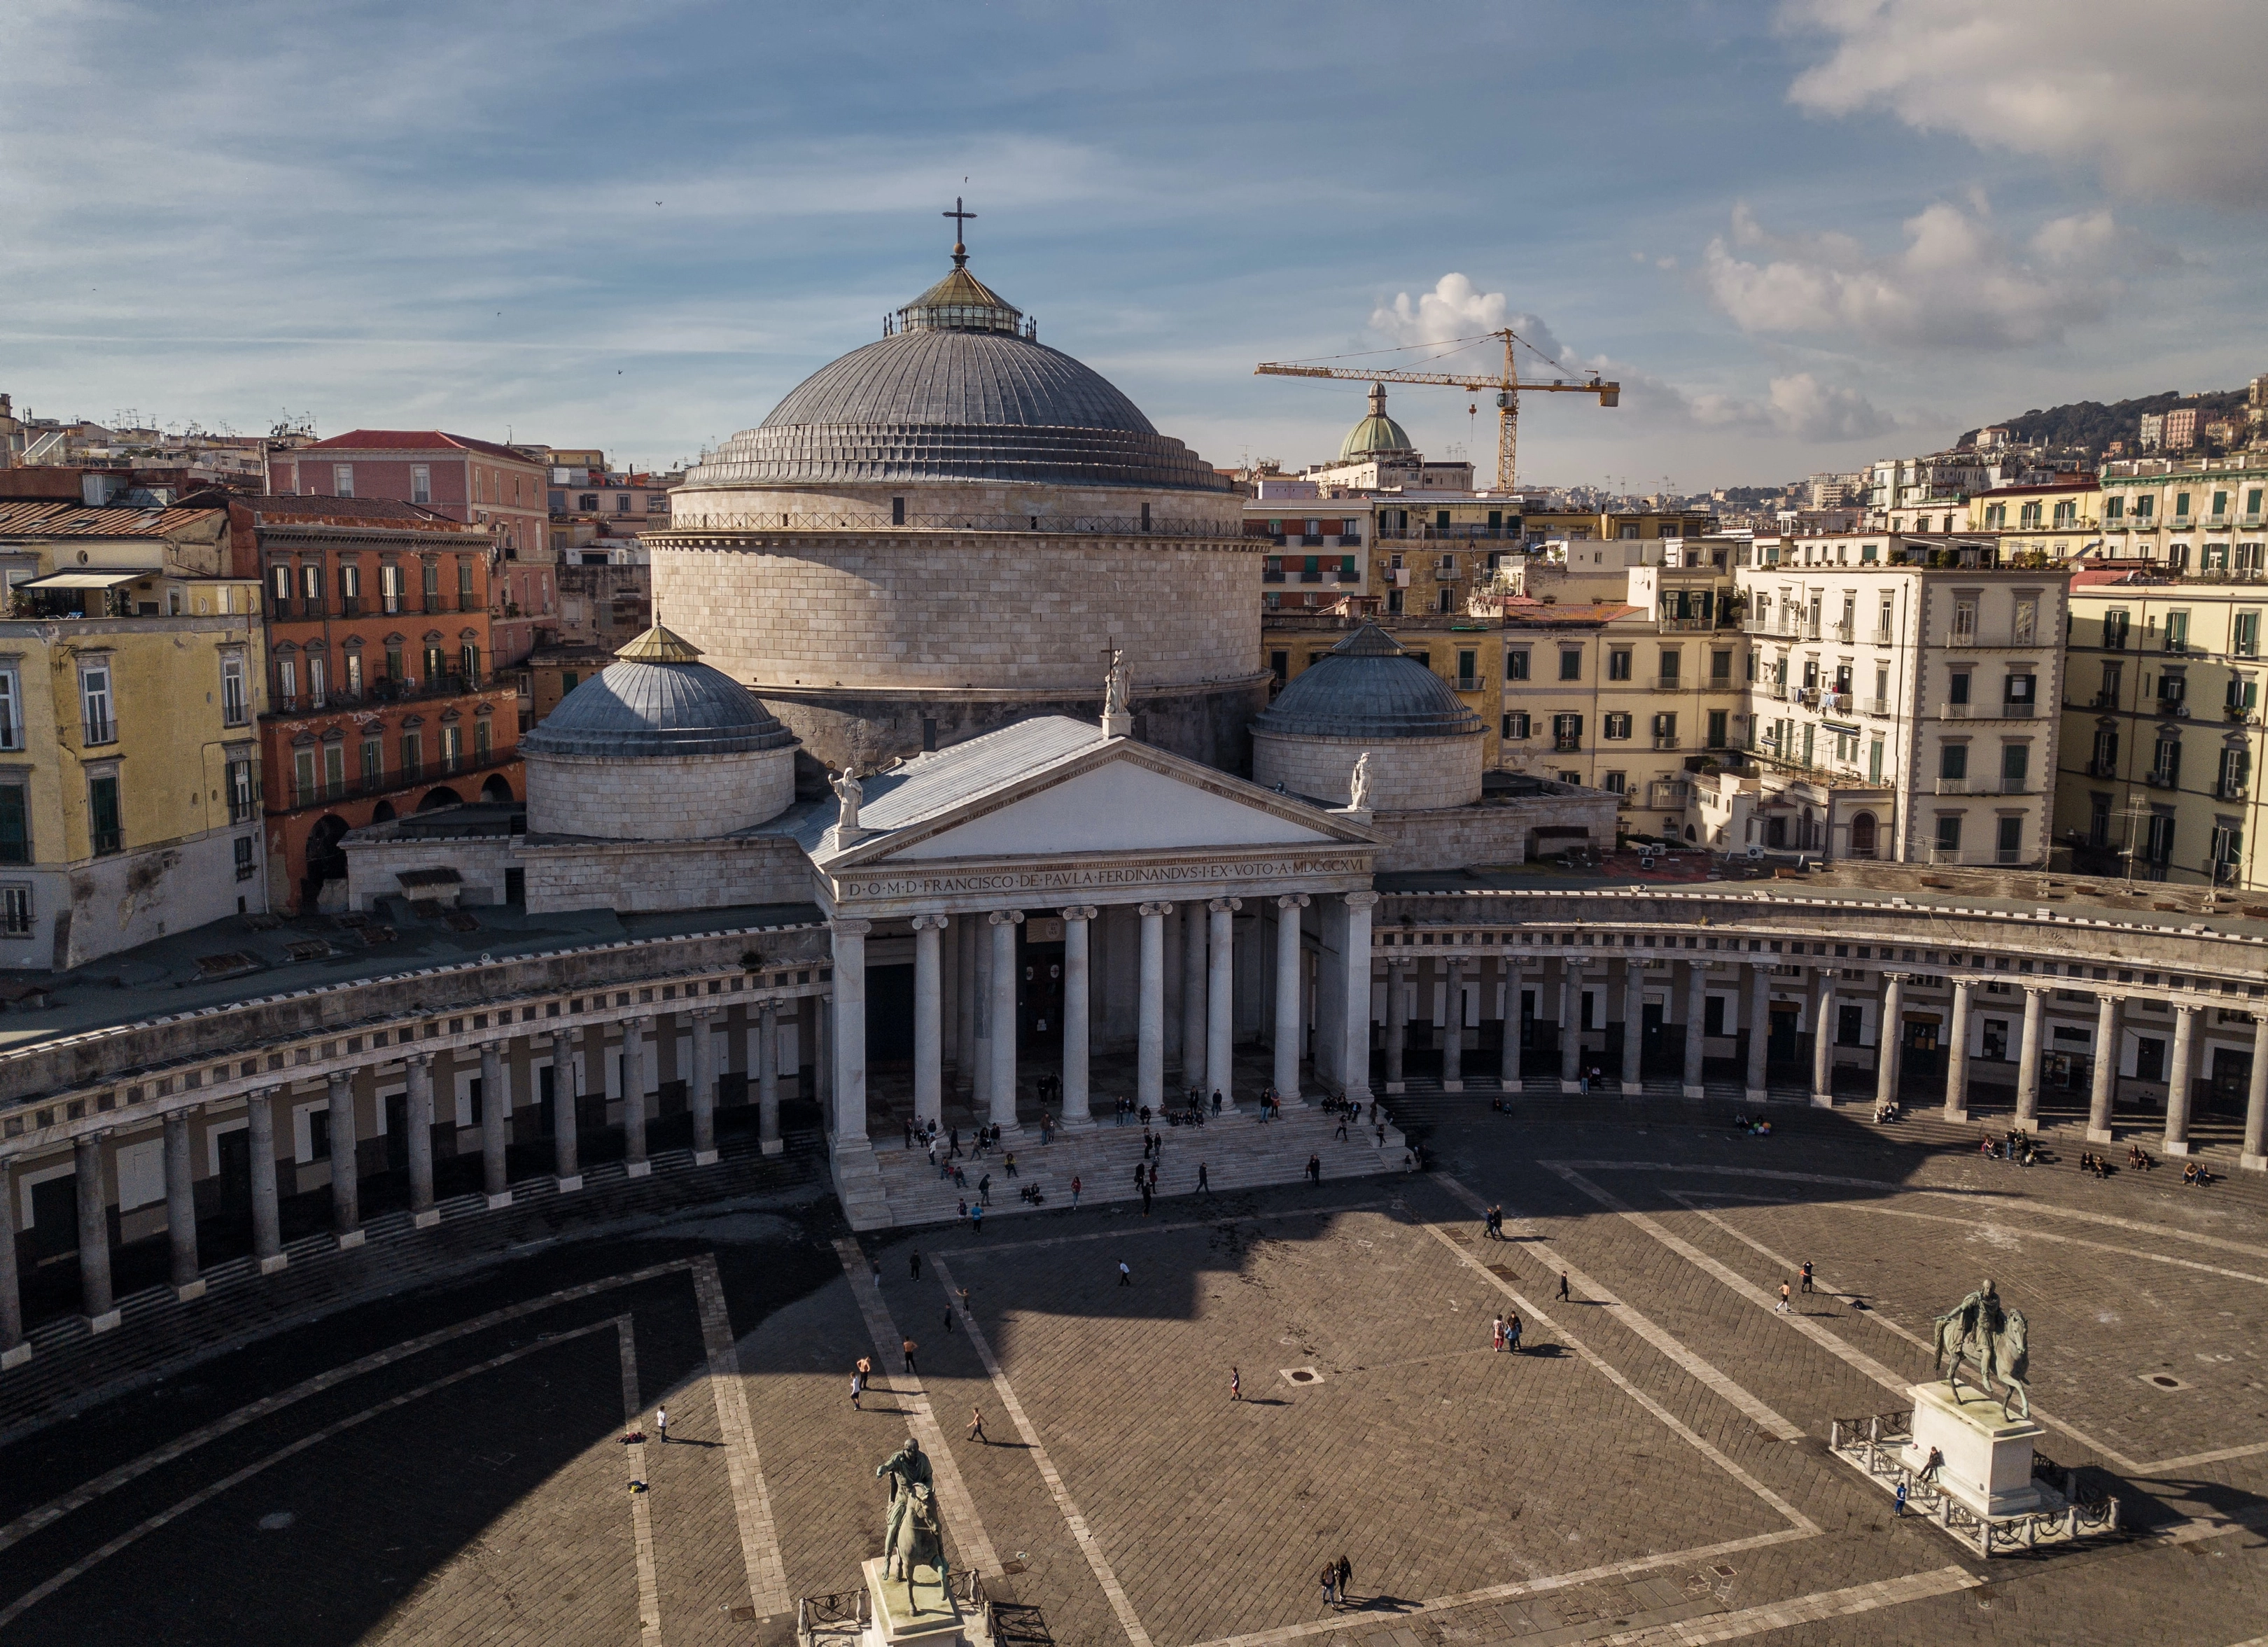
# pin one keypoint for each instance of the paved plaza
(477, 1459)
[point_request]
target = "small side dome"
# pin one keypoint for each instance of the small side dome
(1376, 436)
(657, 700)
(1367, 687)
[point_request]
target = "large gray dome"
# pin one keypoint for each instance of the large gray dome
(657, 701)
(959, 393)
(1366, 687)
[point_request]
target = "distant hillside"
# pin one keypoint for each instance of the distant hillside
(2092, 425)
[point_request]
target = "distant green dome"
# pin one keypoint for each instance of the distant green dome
(1377, 434)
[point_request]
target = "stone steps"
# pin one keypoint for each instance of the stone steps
(1238, 1152)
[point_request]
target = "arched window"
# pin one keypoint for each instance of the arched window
(1862, 835)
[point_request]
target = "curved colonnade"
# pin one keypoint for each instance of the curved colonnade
(136, 1113)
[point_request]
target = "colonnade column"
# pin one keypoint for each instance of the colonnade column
(767, 1130)
(634, 1161)
(1398, 1021)
(2177, 1082)
(14, 1352)
(703, 1095)
(1571, 1024)
(2102, 1097)
(1696, 1017)
(975, 1012)
(1354, 1060)
(267, 1221)
(2027, 1062)
(180, 1209)
(1288, 1000)
(1957, 1054)
(1002, 1092)
(1888, 1047)
(1453, 1029)
(1150, 1011)
(1220, 1001)
(1823, 1042)
(417, 1116)
(346, 1163)
(1195, 1067)
(1508, 1073)
(93, 1234)
(1633, 1026)
(929, 1018)
(1759, 1028)
(1079, 1013)
(566, 1119)
(2255, 1155)
(848, 1034)
(495, 1111)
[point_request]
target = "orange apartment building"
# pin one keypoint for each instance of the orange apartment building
(477, 481)
(382, 694)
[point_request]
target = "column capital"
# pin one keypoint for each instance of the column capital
(1360, 900)
(1156, 908)
(768, 1009)
(413, 1060)
(704, 1012)
(1078, 912)
(849, 927)
(340, 1077)
(637, 1021)
(926, 923)
(1292, 901)
(1224, 905)
(1004, 917)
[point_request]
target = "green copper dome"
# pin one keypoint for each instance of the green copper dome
(1377, 434)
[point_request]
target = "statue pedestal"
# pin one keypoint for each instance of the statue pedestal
(1988, 1458)
(920, 1614)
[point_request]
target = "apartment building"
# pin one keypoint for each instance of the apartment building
(2195, 516)
(2162, 734)
(475, 481)
(130, 666)
(382, 698)
(2059, 519)
(1897, 693)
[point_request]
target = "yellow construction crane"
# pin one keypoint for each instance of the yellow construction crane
(1506, 384)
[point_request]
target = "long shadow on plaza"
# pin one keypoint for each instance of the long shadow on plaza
(379, 1502)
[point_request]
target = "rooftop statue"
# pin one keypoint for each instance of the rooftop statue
(848, 792)
(1358, 784)
(1991, 1339)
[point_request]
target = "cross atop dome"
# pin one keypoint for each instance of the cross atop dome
(961, 220)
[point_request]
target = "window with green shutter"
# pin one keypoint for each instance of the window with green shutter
(14, 824)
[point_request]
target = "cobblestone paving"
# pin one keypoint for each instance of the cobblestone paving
(1630, 1479)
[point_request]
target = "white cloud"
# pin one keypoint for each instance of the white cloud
(2163, 97)
(1803, 406)
(1958, 281)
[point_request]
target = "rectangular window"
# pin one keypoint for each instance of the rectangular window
(14, 824)
(1670, 664)
(1614, 727)
(1719, 722)
(1515, 725)
(1571, 666)
(2115, 508)
(103, 816)
(1665, 728)
(96, 722)
(2166, 764)
(353, 681)
(279, 588)
(464, 583)
(373, 762)
(2017, 692)
(303, 778)
(342, 479)
(397, 669)
(1567, 731)
(245, 867)
(1515, 664)
(311, 584)
(389, 586)
(1958, 688)
(15, 912)
(432, 585)
(413, 757)
(2177, 631)
(2236, 770)
(469, 656)
(234, 710)
(1720, 669)
(334, 770)
(483, 747)
(1953, 760)
(1618, 666)
(420, 483)
(242, 795)
(2010, 847)
(2114, 622)
(2015, 766)
(452, 748)
(318, 685)
(1617, 783)
(2244, 635)
(11, 714)
(2159, 845)
(1948, 833)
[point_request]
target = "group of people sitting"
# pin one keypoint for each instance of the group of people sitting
(2195, 1176)
(2096, 1163)
(1889, 1109)
(1755, 1126)
(2017, 1146)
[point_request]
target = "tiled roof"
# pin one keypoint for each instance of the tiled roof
(61, 519)
(275, 508)
(414, 440)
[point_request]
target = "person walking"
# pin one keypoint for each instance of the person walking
(1562, 1287)
(1899, 1508)
(661, 1423)
(1782, 1308)
(1330, 1577)
(948, 1317)
(859, 1375)
(1511, 1329)
(1235, 1385)
(984, 1189)
(1145, 1198)
(1495, 1335)
(1203, 1183)
(1316, 1171)
(1125, 1274)
(1807, 1275)
(910, 1348)
(1341, 1133)
(976, 1426)
(976, 1219)
(1074, 1191)
(916, 1260)
(1346, 1574)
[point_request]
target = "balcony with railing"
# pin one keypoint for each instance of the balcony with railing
(2160, 778)
(1566, 743)
(384, 690)
(324, 791)
(2101, 769)
(1879, 708)
(1665, 740)
(1842, 631)
(1985, 786)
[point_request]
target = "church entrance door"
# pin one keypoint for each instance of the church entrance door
(1040, 999)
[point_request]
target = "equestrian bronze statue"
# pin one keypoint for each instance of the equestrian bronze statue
(1992, 1340)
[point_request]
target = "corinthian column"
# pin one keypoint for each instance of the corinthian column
(2028, 1062)
(850, 1033)
(1288, 1030)
(1079, 1005)
(1150, 1013)
(1355, 1057)
(1003, 923)
(929, 1018)
(1220, 1003)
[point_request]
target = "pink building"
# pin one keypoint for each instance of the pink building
(477, 481)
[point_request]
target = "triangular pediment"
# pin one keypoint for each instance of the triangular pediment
(1104, 797)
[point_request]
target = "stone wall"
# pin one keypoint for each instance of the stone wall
(1497, 831)
(655, 875)
(1406, 774)
(658, 797)
(951, 612)
(377, 861)
(739, 508)
(114, 903)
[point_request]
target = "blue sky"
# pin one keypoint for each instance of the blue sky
(1803, 235)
